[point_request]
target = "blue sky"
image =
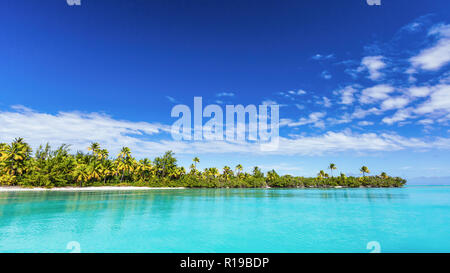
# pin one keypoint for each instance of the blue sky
(357, 84)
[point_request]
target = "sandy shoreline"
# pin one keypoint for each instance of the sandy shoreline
(101, 188)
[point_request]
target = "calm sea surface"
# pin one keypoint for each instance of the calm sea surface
(411, 219)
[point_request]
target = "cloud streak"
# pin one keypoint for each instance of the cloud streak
(80, 129)
(435, 57)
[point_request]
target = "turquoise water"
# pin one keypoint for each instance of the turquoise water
(411, 219)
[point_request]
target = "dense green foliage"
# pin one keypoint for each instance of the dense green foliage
(58, 168)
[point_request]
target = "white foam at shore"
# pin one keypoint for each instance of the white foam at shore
(101, 188)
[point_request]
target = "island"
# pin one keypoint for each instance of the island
(55, 168)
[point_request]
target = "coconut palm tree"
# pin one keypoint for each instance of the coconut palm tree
(14, 156)
(125, 152)
(196, 160)
(239, 169)
(144, 168)
(95, 148)
(3, 153)
(321, 174)
(364, 170)
(227, 172)
(384, 175)
(257, 172)
(124, 161)
(81, 174)
(272, 176)
(193, 169)
(102, 154)
(332, 167)
(106, 169)
(165, 164)
(94, 172)
(214, 172)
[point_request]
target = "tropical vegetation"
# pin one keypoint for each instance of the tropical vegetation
(49, 167)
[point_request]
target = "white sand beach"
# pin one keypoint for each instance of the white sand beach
(102, 188)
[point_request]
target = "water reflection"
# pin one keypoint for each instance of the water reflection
(113, 208)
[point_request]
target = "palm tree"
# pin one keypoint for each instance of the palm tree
(144, 167)
(332, 167)
(384, 175)
(165, 164)
(95, 148)
(14, 156)
(214, 172)
(239, 169)
(3, 149)
(125, 152)
(322, 174)
(125, 162)
(94, 172)
(364, 170)
(103, 154)
(193, 169)
(196, 160)
(227, 172)
(106, 169)
(81, 174)
(257, 172)
(272, 175)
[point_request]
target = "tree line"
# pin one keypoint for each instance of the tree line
(49, 167)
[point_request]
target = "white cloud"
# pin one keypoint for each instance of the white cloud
(299, 106)
(81, 129)
(425, 121)
(345, 118)
(373, 64)
(325, 102)
(412, 27)
(418, 92)
(346, 94)
(444, 119)
(291, 94)
(330, 142)
(376, 93)
(77, 129)
(319, 57)
(417, 24)
(346, 141)
(394, 103)
(435, 57)
(400, 115)
(439, 100)
(225, 94)
(326, 75)
(365, 123)
(361, 113)
(313, 118)
(269, 102)
(301, 92)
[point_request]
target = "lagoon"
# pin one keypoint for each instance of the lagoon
(409, 219)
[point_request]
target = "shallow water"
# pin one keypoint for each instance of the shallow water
(410, 219)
